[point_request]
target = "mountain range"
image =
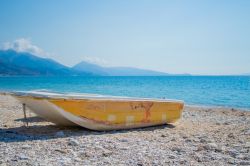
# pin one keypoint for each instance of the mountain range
(114, 71)
(14, 63)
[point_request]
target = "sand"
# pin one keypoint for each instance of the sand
(204, 136)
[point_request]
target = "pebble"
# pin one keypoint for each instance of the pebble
(231, 161)
(23, 157)
(240, 156)
(172, 156)
(85, 154)
(73, 142)
(173, 139)
(124, 148)
(65, 160)
(244, 163)
(77, 159)
(231, 135)
(61, 151)
(177, 149)
(247, 145)
(247, 132)
(107, 153)
(233, 153)
(202, 140)
(221, 149)
(211, 146)
(199, 148)
(198, 158)
(123, 140)
(26, 146)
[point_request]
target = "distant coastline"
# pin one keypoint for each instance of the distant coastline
(14, 63)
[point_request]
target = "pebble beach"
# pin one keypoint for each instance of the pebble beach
(204, 136)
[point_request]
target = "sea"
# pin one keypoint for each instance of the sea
(222, 91)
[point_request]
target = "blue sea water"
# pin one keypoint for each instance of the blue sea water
(226, 91)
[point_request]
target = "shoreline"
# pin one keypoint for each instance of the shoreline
(4, 92)
(218, 107)
(204, 136)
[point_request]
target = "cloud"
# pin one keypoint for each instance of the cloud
(24, 45)
(95, 60)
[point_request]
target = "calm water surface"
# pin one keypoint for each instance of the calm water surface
(228, 91)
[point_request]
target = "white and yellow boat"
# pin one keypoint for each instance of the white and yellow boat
(99, 112)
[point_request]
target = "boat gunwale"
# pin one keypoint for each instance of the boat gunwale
(91, 97)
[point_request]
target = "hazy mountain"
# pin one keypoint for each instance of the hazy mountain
(129, 71)
(115, 71)
(90, 68)
(21, 63)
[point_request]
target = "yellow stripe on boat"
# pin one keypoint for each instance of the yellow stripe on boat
(101, 112)
(122, 112)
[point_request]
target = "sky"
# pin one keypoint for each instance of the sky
(208, 37)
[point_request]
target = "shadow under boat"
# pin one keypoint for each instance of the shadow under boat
(51, 131)
(31, 119)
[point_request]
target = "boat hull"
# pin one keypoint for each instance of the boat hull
(43, 108)
(103, 113)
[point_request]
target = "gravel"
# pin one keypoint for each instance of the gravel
(204, 136)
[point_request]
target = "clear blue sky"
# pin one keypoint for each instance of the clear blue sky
(198, 37)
